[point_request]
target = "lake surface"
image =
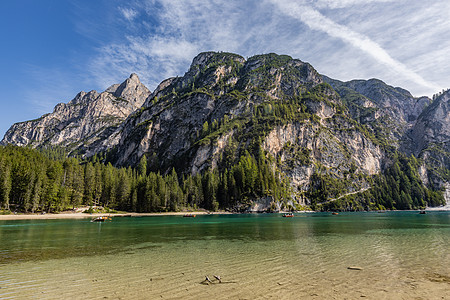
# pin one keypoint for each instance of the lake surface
(402, 255)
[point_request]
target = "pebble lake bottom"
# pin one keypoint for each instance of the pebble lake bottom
(392, 255)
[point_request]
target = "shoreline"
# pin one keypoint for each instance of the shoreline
(80, 215)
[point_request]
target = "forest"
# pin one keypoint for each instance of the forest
(398, 187)
(47, 181)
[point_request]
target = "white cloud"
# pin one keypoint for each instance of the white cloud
(152, 58)
(128, 13)
(370, 38)
(316, 21)
(187, 27)
(47, 87)
(344, 3)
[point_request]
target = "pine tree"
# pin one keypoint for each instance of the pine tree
(5, 183)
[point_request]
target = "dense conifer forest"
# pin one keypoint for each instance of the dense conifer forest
(46, 181)
(398, 187)
(229, 132)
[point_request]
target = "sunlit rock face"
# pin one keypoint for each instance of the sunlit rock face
(88, 124)
(270, 105)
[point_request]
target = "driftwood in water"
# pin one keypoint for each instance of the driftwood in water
(208, 281)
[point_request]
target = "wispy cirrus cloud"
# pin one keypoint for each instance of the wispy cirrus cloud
(128, 13)
(364, 40)
(343, 3)
(152, 58)
(316, 21)
(47, 89)
(171, 33)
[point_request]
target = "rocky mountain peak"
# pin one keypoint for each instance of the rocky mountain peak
(218, 87)
(131, 90)
(134, 77)
(226, 112)
(372, 102)
(207, 58)
(88, 123)
(83, 97)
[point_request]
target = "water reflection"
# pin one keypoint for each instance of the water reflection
(265, 255)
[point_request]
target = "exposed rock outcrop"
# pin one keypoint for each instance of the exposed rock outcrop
(87, 124)
(218, 108)
(429, 139)
(307, 128)
(391, 111)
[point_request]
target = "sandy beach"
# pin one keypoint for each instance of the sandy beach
(80, 215)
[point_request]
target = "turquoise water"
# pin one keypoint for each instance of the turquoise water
(402, 255)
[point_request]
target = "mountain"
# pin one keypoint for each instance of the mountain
(429, 139)
(268, 129)
(389, 111)
(87, 124)
(225, 106)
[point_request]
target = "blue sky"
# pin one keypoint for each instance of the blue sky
(52, 49)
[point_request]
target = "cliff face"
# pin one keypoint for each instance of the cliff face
(225, 105)
(429, 139)
(87, 124)
(308, 128)
(415, 126)
(388, 111)
(216, 87)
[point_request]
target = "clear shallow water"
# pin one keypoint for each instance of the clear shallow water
(403, 255)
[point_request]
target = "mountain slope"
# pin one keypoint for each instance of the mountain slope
(429, 139)
(87, 124)
(269, 128)
(225, 106)
(389, 111)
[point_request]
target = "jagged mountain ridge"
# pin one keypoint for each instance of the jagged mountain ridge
(389, 111)
(87, 124)
(305, 123)
(429, 139)
(226, 102)
(190, 101)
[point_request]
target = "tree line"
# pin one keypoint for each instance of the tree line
(398, 187)
(31, 181)
(47, 181)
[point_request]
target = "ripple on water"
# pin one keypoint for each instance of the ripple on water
(307, 257)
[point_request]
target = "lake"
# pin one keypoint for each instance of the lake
(397, 255)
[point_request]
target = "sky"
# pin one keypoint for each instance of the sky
(52, 49)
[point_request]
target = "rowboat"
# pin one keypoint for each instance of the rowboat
(100, 219)
(288, 215)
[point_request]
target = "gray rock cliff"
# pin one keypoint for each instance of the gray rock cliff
(309, 128)
(225, 104)
(389, 111)
(88, 124)
(429, 139)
